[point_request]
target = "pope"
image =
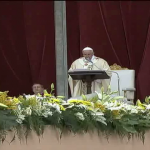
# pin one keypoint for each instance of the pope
(91, 62)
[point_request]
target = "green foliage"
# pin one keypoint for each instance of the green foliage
(7, 123)
(103, 113)
(52, 88)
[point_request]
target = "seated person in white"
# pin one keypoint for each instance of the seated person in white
(77, 87)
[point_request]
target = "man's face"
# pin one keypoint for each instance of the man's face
(37, 88)
(88, 54)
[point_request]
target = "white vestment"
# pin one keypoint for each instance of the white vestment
(77, 87)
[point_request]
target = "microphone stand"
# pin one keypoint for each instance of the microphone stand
(106, 72)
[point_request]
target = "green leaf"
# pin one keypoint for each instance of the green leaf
(133, 122)
(129, 129)
(2, 105)
(84, 97)
(62, 97)
(147, 99)
(52, 86)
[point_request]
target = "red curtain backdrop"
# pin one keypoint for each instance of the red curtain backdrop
(27, 45)
(118, 31)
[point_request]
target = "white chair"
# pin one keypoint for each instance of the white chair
(126, 83)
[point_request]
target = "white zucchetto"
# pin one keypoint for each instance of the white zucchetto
(87, 49)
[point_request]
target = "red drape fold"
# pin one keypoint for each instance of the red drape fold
(27, 45)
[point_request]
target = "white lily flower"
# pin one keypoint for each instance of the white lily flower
(65, 103)
(68, 101)
(20, 119)
(29, 96)
(50, 113)
(148, 107)
(71, 105)
(127, 107)
(56, 106)
(101, 119)
(47, 104)
(40, 98)
(19, 107)
(28, 111)
(110, 104)
(99, 114)
(99, 95)
(134, 111)
(47, 113)
(115, 108)
(81, 106)
(80, 116)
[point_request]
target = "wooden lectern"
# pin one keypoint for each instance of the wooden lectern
(88, 76)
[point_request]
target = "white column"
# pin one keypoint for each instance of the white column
(61, 48)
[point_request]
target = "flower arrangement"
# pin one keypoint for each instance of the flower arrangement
(105, 113)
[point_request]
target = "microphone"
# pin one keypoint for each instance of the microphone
(89, 60)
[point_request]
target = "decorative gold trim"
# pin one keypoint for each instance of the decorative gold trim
(117, 67)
